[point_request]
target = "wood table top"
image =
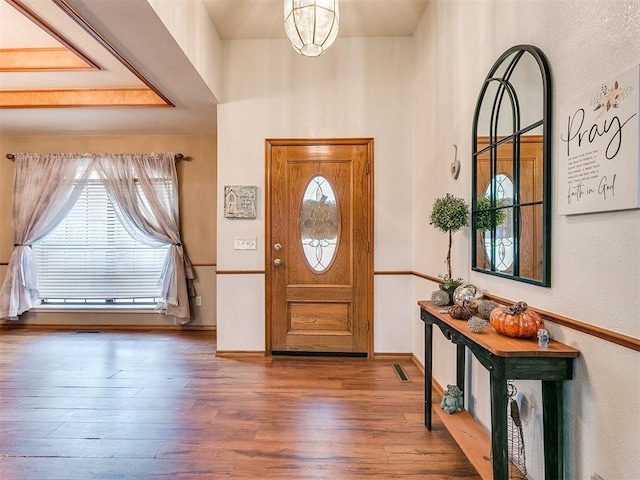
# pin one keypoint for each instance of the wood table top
(498, 344)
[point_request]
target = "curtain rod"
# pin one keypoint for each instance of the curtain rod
(177, 157)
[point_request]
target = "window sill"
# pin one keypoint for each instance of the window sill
(146, 309)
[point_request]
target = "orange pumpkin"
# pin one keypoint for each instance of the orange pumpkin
(516, 321)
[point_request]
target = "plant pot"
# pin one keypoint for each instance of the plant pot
(449, 291)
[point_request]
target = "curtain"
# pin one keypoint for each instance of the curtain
(45, 188)
(144, 192)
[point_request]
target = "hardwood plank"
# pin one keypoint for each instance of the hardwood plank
(159, 431)
(71, 392)
(28, 429)
(81, 448)
(87, 415)
(149, 405)
(60, 468)
(100, 403)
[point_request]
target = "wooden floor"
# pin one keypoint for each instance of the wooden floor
(138, 405)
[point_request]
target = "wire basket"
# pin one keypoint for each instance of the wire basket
(515, 438)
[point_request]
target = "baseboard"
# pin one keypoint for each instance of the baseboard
(392, 356)
(211, 329)
(437, 388)
(417, 363)
(253, 354)
(244, 355)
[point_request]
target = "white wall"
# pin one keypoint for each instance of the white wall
(190, 25)
(359, 88)
(595, 261)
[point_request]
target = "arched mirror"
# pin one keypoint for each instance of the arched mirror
(511, 193)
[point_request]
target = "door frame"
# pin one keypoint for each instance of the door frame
(268, 251)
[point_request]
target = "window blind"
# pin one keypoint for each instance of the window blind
(90, 257)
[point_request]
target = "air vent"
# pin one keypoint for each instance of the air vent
(400, 373)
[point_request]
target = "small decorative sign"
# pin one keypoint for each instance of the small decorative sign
(599, 149)
(240, 201)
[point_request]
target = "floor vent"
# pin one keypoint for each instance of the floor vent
(400, 373)
(87, 331)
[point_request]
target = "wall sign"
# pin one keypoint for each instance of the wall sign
(240, 201)
(599, 150)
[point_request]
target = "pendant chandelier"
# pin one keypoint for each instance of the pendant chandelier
(311, 25)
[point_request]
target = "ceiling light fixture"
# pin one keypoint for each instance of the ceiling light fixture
(311, 25)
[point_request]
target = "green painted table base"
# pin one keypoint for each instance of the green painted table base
(505, 359)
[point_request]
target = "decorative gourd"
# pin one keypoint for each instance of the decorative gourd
(460, 312)
(485, 307)
(476, 324)
(516, 321)
(440, 298)
(467, 294)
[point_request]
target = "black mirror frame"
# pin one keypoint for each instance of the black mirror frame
(545, 122)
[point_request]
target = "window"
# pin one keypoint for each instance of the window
(90, 259)
(319, 224)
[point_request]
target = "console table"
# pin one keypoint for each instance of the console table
(506, 359)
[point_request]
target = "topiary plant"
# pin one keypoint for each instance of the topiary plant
(483, 214)
(449, 214)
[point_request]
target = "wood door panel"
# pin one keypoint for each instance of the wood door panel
(320, 317)
(319, 303)
(314, 293)
(530, 239)
(319, 342)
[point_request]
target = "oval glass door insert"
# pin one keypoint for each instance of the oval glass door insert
(319, 225)
(503, 255)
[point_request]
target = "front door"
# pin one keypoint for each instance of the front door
(530, 187)
(319, 255)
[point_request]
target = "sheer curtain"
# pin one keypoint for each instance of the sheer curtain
(45, 188)
(144, 192)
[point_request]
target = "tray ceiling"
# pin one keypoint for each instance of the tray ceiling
(58, 75)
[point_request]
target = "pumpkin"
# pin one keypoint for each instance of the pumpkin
(516, 321)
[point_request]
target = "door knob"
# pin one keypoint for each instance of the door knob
(277, 262)
(277, 246)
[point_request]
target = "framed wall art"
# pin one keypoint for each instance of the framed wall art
(240, 201)
(599, 149)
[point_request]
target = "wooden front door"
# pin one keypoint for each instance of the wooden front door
(529, 246)
(319, 246)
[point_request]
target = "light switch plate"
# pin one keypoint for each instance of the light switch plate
(245, 243)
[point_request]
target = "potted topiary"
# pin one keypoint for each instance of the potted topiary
(449, 286)
(449, 214)
(483, 214)
(485, 221)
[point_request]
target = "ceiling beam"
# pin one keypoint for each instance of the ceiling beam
(41, 60)
(89, 97)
